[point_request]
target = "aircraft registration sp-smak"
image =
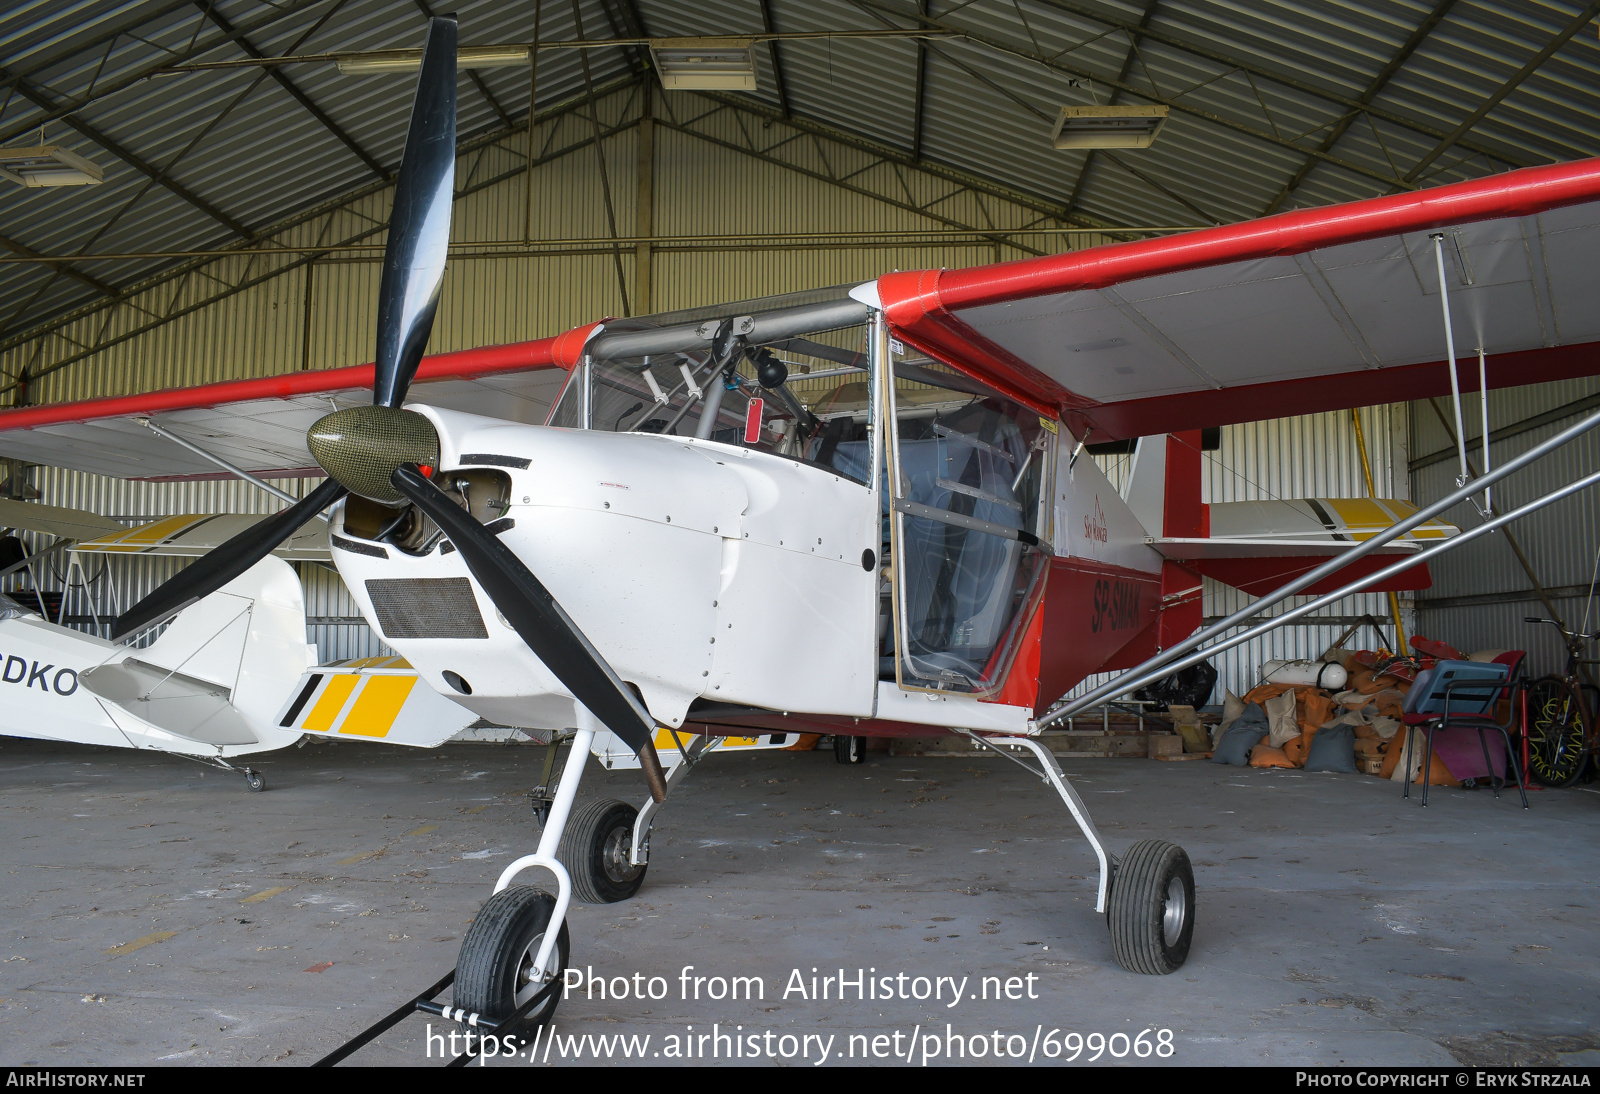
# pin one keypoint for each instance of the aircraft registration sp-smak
(862, 511)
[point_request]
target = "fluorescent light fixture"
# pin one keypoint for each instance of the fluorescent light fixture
(1108, 126)
(705, 64)
(48, 165)
(409, 60)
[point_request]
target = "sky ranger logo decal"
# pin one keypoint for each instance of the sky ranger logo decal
(1094, 527)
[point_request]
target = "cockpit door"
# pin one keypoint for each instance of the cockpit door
(969, 535)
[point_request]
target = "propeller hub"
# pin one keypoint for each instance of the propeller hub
(360, 447)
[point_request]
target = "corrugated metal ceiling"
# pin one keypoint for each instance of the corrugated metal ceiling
(1276, 103)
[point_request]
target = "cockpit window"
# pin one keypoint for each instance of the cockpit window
(805, 398)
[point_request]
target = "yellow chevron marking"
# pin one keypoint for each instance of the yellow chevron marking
(161, 529)
(334, 693)
(378, 705)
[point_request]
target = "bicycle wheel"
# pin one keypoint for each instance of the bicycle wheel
(1556, 752)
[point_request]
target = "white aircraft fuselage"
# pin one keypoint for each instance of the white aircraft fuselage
(697, 569)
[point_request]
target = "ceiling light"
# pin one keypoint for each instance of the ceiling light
(409, 60)
(48, 165)
(1108, 126)
(705, 64)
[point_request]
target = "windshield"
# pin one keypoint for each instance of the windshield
(806, 398)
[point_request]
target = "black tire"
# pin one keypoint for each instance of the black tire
(1556, 755)
(496, 960)
(595, 849)
(255, 780)
(849, 750)
(1151, 908)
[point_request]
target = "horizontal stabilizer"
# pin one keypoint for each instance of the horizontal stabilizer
(372, 699)
(53, 520)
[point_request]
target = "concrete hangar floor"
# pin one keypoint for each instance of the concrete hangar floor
(156, 912)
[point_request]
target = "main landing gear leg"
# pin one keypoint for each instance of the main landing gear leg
(1147, 896)
(698, 749)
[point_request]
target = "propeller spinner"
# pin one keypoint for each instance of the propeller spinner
(378, 451)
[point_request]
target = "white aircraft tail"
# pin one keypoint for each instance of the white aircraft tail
(220, 673)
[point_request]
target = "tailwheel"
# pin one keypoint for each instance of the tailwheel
(494, 972)
(595, 849)
(849, 750)
(255, 780)
(1151, 908)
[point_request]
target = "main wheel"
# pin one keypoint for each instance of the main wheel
(1555, 732)
(494, 972)
(849, 750)
(255, 780)
(1151, 908)
(596, 848)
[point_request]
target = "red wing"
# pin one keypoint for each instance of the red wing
(1312, 310)
(260, 425)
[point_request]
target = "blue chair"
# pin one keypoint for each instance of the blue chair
(1458, 695)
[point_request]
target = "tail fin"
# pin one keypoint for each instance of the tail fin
(249, 637)
(1164, 486)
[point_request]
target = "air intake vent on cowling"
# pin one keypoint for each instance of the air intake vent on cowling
(424, 607)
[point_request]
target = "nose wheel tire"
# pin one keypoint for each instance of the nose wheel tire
(595, 850)
(849, 750)
(1151, 908)
(255, 780)
(494, 972)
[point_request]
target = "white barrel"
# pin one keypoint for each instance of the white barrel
(1316, 673)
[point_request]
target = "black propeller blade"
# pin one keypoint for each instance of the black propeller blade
(413, 268)
(534, 614)
(419, 224)
(222, 564)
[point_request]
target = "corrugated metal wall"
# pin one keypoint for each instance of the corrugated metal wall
(322, 316)
(1482, 593)
(1314, 455)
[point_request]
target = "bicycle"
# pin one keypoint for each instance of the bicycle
(1559, 724)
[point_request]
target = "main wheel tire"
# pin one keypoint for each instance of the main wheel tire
(595, 850)
(849, 750)
(1151, 909)
(494, 972)
(1556, 754)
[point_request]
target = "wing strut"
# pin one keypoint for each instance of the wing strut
(1165, 662)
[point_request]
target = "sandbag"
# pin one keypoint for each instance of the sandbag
(1333, 749)
(1233, 747)
(1264, 755)
(1296, 750)
(1281, 721)
(1318, 674)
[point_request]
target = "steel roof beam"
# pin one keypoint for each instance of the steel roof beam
(299, 96)
(1195, 49)
(1174, 104)
(323, 209)
(919, 109)
(283, 10)
(1585, 17)
(1379, 82)
(132, 159)
(770, 27)
(61, 267)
